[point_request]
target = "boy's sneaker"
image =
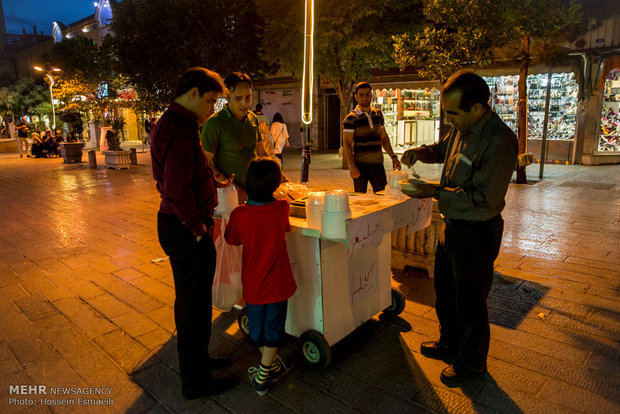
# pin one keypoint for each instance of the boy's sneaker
(280, 367)
(261, 387)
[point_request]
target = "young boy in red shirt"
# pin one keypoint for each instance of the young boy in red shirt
(260, 226)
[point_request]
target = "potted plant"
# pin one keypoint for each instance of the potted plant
(72, 151)
(115, 156)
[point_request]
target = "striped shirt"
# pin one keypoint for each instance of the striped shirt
(366, 128)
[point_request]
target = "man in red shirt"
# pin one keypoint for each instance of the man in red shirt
(184, 224)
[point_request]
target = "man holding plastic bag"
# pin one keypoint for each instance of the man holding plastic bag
(185, 225)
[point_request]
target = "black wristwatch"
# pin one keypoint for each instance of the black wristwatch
(394, 156)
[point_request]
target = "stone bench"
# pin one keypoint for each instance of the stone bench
(9, 145)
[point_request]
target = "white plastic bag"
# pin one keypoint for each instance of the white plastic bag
(227, 289)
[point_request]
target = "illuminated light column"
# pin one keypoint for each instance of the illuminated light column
(51, 80)
(306, 89)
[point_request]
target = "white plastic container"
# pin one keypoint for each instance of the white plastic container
(314, 209)
(336, 201)
(227, 200)
(393, 177)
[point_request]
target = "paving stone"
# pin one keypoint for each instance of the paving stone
(94, 365)
(594, 263)
(128, 274)
(38, 285)
(154, 270)
(12, 292)
(127, 293)
(539, 344)
(14, 323)
(594, 381)
(38, 358)
(578, 398)
(550, 281)
(84, 317)
(505, 399)
(505, 375)
(160, 380)
(541, 268)
(164, 317)
(62, 278)
(35, 307)
(126, 351)
(155, 288)
(154, 339)
(108, 306)
(134, 323)
(86, 289)
(8, 363)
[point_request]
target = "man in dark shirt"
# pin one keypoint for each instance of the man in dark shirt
(184, 224)
(479, 156)
(363, 136)
(22, 134)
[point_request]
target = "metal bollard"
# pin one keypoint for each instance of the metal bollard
(92, 159)
(133, 156)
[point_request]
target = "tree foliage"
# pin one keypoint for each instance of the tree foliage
(456, 32)
(87, 80)
(25, 97)
(350, 38)
(156, 40)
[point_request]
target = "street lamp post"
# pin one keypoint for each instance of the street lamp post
(51, 80)
(306, 89)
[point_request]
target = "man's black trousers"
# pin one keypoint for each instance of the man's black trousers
(193, 266)
(463, 277)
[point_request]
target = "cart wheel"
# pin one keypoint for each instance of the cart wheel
(398, 303)
(242, 320)
(315, 349)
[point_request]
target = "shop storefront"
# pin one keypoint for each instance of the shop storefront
(562, 122)
(411, 114)
(609, 138)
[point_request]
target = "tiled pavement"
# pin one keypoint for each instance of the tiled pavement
(82, 304)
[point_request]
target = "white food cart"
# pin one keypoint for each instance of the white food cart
(342, 283)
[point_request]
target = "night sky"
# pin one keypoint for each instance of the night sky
(26, 13)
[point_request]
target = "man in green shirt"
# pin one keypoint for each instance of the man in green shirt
(230, 138)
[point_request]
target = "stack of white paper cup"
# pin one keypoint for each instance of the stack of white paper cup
(314, 209)
(336, 211)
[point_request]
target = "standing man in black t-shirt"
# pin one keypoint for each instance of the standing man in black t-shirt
(22, 134)
(363, 137)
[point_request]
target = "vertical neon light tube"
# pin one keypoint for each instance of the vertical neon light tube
(308, 76)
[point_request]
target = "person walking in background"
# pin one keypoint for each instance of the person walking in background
(363, 137)
(279, 132)
(479, 156)
(260, 115)
(260, 226)
(185, 225)
(22, 134)
(263, 127)
(147, 129)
